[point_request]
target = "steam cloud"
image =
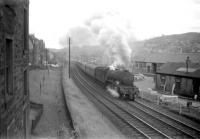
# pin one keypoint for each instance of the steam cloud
(108, 31)
(113, 92)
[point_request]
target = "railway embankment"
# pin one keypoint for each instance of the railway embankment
(87, 120)
(74, 128)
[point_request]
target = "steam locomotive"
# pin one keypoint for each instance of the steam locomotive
(122, 81)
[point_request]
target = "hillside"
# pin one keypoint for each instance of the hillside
(186, 43)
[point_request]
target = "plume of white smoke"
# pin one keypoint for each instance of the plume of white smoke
(113, 92)
(109, 31)
(81, 36)
(116, 46)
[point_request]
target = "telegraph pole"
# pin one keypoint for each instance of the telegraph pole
(46, 58)
(69, 57)
(187, 63)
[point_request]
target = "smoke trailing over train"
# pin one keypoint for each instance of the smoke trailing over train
(108, 31)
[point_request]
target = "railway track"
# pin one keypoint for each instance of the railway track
(183, 125)
(170, 127)
(135, 125)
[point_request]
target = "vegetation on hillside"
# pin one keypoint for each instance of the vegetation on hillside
(177, 43)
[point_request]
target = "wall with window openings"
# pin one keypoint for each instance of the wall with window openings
(183, 86)
(14, 95)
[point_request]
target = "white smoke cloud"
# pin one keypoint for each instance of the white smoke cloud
(111, 32)
(113, 92)
(80, 36)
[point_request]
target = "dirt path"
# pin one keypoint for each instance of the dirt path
(53, 123)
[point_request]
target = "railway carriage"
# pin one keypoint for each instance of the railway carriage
(89, 69)
(100, 74)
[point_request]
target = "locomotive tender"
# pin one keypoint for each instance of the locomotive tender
(121, 81)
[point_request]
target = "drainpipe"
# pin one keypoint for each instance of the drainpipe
(173, 87)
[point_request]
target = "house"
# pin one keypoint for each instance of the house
(151, 62)
(14, 56)
(179, 78)
(38, 53)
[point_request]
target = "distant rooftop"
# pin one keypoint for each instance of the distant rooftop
(166, 57)
(179, 69)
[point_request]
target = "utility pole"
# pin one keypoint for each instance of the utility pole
(46, 58)
(69, 57)
(187, 63)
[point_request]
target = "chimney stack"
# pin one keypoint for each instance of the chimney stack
(187, 63)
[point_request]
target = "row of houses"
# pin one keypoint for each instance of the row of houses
(173, 73)
(37, 51)
(38, 54)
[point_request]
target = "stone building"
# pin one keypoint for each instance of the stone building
(38, 52)
(14, 56)
(179, 79)
(149, 63)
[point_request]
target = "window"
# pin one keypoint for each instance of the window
(25, 30)
(148, 69)
(25, 82)
(162, 79)
(137, 65)
(162, 82)
(178, 82)
(9, 66)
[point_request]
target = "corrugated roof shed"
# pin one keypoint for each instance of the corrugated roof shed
(179, 69)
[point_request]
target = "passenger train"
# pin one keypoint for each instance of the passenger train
(122, 81)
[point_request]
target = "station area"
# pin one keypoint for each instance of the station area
(62, 99)
(180, 105)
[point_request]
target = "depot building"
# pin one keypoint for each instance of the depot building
(179, 78)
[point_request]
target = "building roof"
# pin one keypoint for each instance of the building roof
(179, 69)
(166, 57)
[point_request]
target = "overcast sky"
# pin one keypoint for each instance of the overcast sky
(51, 19)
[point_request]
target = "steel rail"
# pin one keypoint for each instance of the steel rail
(175, 127)
(188, 126)
(123, 109)
(102, 103)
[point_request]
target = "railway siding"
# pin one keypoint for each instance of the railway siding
(186, 121)
(191, 112)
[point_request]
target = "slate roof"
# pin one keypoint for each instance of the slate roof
(179, 69)
(166, 57)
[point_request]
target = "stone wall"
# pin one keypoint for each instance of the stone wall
(14, 50)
